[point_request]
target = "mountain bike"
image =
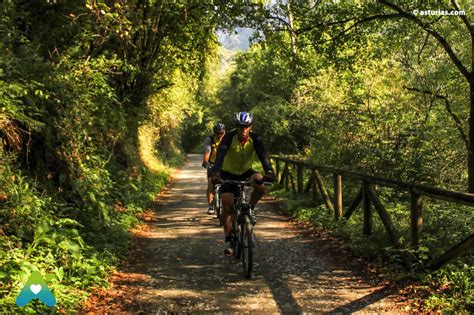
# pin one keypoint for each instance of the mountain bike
(217, 202)
(243, 221)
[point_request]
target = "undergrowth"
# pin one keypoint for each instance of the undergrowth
(449, 289)
(72, 250)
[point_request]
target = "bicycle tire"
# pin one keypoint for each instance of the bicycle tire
(247, 246)
(217, 204)
(218, 214)
(236, 245)
(218, 209)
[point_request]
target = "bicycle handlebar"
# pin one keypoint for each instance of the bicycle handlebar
(243, 182)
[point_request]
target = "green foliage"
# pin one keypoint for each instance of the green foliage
(358, 86)
(197, 124)
(453, 292)
(94, 98)
(98, 98)
(449, 289)
(78, 255)
(35, 238)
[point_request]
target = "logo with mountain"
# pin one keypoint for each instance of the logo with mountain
(35, 288)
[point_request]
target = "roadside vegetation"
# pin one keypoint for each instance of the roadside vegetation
(100, 100)
(94, 99)
(370, 87)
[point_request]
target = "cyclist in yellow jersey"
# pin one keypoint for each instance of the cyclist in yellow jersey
(210, 150)
(235, 155)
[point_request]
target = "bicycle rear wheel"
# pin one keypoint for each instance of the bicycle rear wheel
(217, 210)
(219, 215)
(247, 246)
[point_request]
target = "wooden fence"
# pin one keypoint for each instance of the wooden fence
(367, 195)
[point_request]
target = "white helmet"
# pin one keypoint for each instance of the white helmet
(243, 119)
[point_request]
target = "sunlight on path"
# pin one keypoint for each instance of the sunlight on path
(183, 270)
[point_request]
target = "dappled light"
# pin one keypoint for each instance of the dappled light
(115, 114)
(184, 269)
(147, 138)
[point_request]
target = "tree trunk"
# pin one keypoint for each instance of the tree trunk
(470, 156)
(292, 33)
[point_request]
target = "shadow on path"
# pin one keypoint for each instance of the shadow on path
(364, 301)
(177, 265)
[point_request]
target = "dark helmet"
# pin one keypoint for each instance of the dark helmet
(243, 119)
(218, 128)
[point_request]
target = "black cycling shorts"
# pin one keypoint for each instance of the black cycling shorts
(229, 176)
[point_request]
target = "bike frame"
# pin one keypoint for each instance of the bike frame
(242, 236)
(217, 204)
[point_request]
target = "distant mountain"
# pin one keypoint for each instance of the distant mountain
(238, 40)
(233, 43)
(226, 58)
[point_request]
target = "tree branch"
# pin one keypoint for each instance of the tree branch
(463, 18)
(367, 19)
(447, 104)
(275, 17)
(422, 48)
(454, 58)
(371, 18)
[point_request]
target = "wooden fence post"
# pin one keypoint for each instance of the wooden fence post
(299, 177)
(292, 182)
(367, 228)
(354, 204)
(284, 174)
(457, 250)
(368, 196)
(384, 216)
(314, 186)
(416, 211)
(277, 169)
(323, 191)
(310, 183)
(338, 196)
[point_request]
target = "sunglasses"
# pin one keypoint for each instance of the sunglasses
(242, 127)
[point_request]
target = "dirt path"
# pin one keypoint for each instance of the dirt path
(177, 265)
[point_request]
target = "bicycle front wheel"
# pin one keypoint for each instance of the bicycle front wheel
(217, 204)
(247, 246)
(219, 214)
(237, 244)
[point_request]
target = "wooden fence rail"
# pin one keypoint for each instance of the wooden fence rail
(367, 195)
